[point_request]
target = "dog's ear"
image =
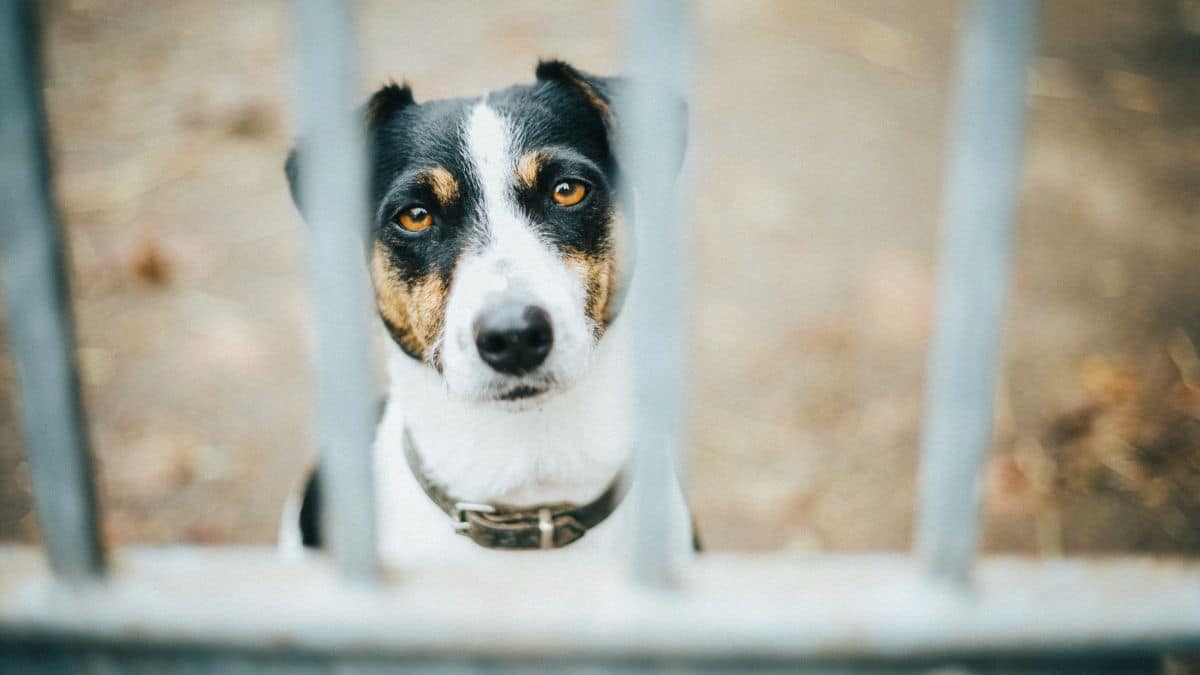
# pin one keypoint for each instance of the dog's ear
(606, 95)
(390, 98)
(384, 103)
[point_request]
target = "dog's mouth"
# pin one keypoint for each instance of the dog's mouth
(522, 392)
(525, 392)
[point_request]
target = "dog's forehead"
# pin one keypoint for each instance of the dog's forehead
(437, 133)
(547, 115)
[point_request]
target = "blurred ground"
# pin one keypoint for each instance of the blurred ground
(816, 147)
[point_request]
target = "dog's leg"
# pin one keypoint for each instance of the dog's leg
(299, 528)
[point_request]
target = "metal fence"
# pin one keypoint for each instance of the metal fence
(227, 610)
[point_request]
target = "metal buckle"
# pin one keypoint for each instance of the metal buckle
(546, 527)
(460, 511)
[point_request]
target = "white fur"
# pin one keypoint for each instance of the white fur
(563, 446)
(291, 543)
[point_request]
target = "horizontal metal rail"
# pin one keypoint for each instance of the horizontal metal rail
(739, 606)
(39, 309)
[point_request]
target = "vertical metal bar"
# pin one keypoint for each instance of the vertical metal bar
(39, 309)
(978, 205)
(655, 57)
(332, 174)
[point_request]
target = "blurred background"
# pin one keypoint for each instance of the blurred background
(816, 149)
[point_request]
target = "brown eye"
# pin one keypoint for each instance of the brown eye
(569, 192)
(414, 219)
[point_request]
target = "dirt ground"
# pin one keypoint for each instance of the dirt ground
(816, 154)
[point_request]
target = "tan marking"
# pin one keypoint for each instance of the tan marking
(372, 116)
(529, 166)
(599, 275)
(594, 98)
(619, 270)
(442, 182)
(413, 311)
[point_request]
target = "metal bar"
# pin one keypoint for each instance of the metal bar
(655, 55)
(978, 206)
(332, 173)
(39, 309)
(870, 607)
(141, 661)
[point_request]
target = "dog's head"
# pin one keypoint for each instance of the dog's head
(498, 248)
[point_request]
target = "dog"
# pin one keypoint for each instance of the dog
(500, 259)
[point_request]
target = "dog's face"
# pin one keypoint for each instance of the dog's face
(497, 249)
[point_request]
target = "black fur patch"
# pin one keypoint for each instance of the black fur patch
(311, 503)
(310, 512)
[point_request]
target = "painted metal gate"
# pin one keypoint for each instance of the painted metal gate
(76, 607)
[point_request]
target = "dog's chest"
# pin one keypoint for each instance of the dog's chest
(412, 529)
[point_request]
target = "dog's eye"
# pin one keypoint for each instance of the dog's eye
(569, 192)
(414, 218)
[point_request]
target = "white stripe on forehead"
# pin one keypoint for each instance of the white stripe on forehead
(511, 241)
(490, 146)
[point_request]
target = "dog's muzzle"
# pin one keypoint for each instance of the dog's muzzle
(514, 338)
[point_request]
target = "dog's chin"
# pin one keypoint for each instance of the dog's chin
(517, 396)
(524, 392)
(521, 399)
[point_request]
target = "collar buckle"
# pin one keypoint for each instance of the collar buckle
(545, 529)
(458, 514)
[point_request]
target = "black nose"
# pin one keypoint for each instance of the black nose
(514, 339)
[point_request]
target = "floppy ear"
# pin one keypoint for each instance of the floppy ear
(384, 103)
(607, 95)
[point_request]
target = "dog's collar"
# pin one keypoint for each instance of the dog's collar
(541, 526)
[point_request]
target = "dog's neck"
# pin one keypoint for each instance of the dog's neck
(566, 448)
